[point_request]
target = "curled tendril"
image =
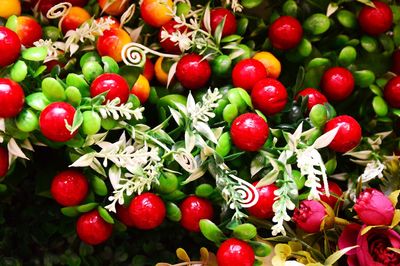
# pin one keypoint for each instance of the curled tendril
(59, 11)
(248, 193)
(134, 54)
(127, 15)
(186, 160)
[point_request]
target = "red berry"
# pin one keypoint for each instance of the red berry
(247, 73)
(337, 83)
(12, 98)
(124, 215)
(147, 211)
(235, 252)
(375, 21)
(44, 5)
(335, 193)
(392, 92)
(194, 209)
(193, 72)
(249, 132)
(80, 3)
(10, 46)
(168, 45)
(148, 70)
(263, 207)
(115, 84)
(348, 135)
(216, 17)
(269, 96)
(92, 229)
(3, 161)
(314, 97)
(28, 30)
(52, 121)
(285, 33)
(69, 188)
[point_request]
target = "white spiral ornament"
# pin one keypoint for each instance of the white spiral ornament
(248, 193)
(186, 160)
(59, 11)
(134, 54)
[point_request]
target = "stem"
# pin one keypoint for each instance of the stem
(341, 221)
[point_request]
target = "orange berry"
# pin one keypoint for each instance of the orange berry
(270, 62)
(112, 42)
(9, 8)
(75, 17)
(113, 7)
(156, 12)
(141, 89)
(161, 74)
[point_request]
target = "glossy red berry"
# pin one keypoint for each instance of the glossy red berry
(285, 33)
(349, 133)
(216, 17)
(314, 97)
(193, 71)
(194, 209)
(249, 132)
(392, 92)
(337, 83)
(168, 45)
(269, 96)
(12, 98)
(148, 70)
(247, 73)
(28, 30)
(263, 207)
(10, 46)
(124, 216)
(335, 193)
(3, 161)
(69, 188)
(147, 211)
(115, 84)
(92, 229)
(235, 252)
(52, 121)
(375, 20)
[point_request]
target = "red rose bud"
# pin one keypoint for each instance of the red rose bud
(374, 208)
(309, 216)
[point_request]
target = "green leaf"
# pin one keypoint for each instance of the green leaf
(105, 215)
(218, 31)
(332, 259)
(99, 186)
(39, 71)
(35, 53)
(260, 249)
(299, 80)
(173, 212)
(86, 207)
(211, 231)
(231, 38)
(77, 122)
(70, 211)
(245, 231)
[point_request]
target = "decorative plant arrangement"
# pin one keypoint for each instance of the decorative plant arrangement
(238, 132)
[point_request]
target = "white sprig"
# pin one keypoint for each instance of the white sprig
(115, 110)
(54, 49)
(281, 205)
(372, 170)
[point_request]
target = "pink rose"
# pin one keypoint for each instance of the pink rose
(373, 246)
(309, 215)
(374, 208)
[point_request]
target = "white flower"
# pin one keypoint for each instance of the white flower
(372, 170)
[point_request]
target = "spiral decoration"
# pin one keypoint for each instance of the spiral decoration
(186, 160)
(134, 54)
(59, 11)
(248, 193)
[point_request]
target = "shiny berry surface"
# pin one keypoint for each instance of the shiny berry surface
(285, 33)
(194, 209)
(235, 252)
(349, 133)
(52, 121)
(392, 92)
(269, 96)
(249, 132)
(10, 46)
(115, 84)
(28, 30)
(167, 44)
(314, 97)
(375, 21)
(12, 98)
(193, 72)
(263, 207)
(156, 12)
(216, 17)
(148, 70)
(75, 17)
(3, 161)
(337, 83)
(92, 229)
(247, 73)
(69, 188)
(112, 42)
(147, 211)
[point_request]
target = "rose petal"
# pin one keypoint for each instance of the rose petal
(348, 238)
(363, 255)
